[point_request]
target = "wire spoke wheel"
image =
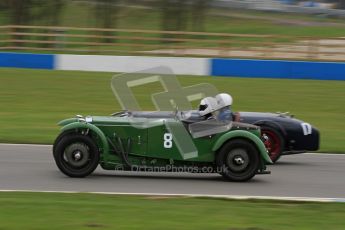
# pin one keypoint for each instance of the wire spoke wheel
(273, 142)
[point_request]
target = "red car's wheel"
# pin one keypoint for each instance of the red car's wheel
(273, 141)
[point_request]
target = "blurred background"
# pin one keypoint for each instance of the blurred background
(207, 28)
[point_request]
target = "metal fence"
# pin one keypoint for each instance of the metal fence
(167, 43)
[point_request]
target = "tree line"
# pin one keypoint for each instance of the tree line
(174, 14)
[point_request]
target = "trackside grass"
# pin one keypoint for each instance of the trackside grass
(33, 101)
(91, 211)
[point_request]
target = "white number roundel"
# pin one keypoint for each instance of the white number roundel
(167, 140)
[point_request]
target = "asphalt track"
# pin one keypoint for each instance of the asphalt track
(31, 167)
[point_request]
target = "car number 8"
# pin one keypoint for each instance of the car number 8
(167, 140)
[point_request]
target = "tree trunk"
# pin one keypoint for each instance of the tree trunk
(106, 12)
(199, 9)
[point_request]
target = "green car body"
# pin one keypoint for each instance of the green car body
(234, 150)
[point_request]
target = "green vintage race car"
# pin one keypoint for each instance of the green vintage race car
(154, 142)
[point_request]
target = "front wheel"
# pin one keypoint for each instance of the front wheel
(238, 160)
(76, 155)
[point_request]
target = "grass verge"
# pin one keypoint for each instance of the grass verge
(33, 101)
(91, 211)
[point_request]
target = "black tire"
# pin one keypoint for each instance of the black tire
(229, 155)
(274, 144)
(76, 155)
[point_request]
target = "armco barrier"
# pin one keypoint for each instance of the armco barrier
(179, 65)
(26, 60)
(278, 69)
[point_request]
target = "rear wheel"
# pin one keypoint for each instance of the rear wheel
(76, 155)
(273, 141)
(238, 160)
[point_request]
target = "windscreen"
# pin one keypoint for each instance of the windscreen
(208, 128)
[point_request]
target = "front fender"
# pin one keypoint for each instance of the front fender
(83, 125)
(247, 135)
(67, 121)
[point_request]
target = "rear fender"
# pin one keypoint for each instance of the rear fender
(245, 135)
(272, 124)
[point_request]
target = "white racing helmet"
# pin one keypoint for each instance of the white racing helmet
(208, 105)
(223, 100)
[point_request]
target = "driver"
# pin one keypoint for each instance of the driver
(224, 102)
(207, 106)
(218, 107)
